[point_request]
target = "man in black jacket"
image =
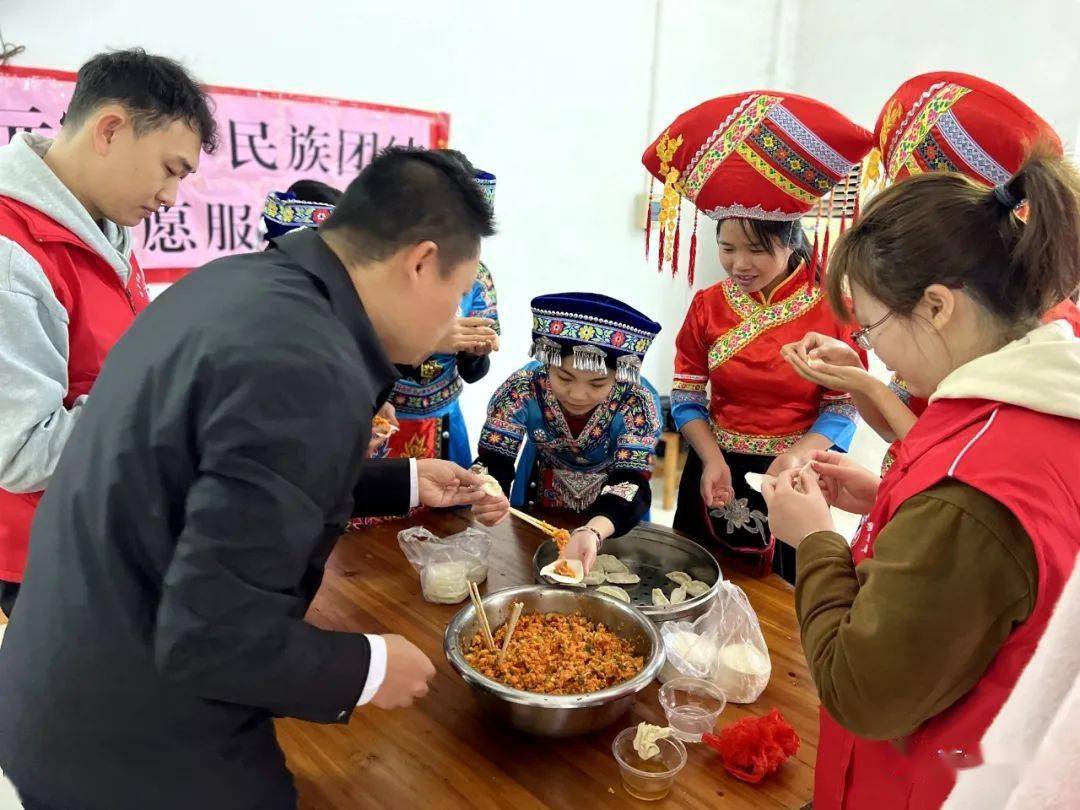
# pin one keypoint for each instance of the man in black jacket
(184, 534)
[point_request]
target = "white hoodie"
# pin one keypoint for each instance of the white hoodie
(34, 424)
(1031, 752)
(1040, 371)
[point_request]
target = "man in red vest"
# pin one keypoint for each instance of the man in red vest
(69, 284)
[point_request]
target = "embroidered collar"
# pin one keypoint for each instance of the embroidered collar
(780, 291)
(595, 430)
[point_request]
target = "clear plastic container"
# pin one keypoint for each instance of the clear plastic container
(692, 707)
(648, 779)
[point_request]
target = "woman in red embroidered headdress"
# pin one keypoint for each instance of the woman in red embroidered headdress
(756, 162)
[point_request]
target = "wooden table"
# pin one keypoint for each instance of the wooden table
(442, 754)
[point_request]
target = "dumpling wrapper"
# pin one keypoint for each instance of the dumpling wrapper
(610, 564)
(679, 577)
(614, 592)
(659, 598)
(595, 577)
(696, 588)
(579, 572)
(491, 486)
(755, 480)
(678, 595)
(646, 737)
(623, 579)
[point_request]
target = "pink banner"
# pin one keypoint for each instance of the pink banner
(267, 141)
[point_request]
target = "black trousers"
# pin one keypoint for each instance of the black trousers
(9, 591)
(746, 547)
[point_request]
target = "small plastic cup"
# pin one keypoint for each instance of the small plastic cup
(692, 706)
(648, 779)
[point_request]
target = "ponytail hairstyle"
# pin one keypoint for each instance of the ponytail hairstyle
(943, 228)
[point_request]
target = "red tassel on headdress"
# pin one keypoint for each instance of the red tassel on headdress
(824, 254)
(675, 246)
(661, 235)
(648, 217)
(755, 747)
(843, 208)
(815, 257)
(693, 250)
(823, 268)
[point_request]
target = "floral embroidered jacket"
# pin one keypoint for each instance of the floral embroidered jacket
(756, 403)
(604, 470)
(434, 389)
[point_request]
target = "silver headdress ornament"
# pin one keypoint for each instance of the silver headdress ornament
(546, 351)
(590, 359)
(628, 369)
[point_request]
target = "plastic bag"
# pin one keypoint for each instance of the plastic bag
(724, 646)
(447, 564)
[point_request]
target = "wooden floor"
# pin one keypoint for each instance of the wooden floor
(443, 754)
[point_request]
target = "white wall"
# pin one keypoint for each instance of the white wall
(704, 49)
(560, 98)
(855, 54)
(552, 97)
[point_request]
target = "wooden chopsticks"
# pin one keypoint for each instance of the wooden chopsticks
(515, 614)
(546, 528)
(481, 615)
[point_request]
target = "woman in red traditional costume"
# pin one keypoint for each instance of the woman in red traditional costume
(917, 634)
(940, 121)
(756, 162)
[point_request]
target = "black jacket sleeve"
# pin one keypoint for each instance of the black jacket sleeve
(383, 489)
(499, 466)
(276, 439)
(471, 367)
(624, 500)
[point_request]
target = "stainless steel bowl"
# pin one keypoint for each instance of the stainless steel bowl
(651, 551)
(556, 715)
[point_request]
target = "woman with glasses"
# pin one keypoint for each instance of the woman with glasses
(917, 633)
(982, 131)
(756, 162)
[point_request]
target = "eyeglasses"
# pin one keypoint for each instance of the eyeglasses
(862, 336)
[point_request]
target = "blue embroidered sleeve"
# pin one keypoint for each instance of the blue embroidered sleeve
(505, 428)
(689, 401)
(899, 387)
(688, 398)
(484, 302)
(837, 421)
(641, 428)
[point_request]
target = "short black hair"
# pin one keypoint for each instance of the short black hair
(460, 158)
(315, 191)
(408, 195)
(153, 89)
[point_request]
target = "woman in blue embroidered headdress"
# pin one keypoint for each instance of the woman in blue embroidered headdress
(426, 400)
(306, 204)
(588, 421)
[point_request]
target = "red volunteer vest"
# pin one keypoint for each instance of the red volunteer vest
(1028, 461)
(100, 308)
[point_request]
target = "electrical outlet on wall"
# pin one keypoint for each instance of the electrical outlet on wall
(640, 201)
